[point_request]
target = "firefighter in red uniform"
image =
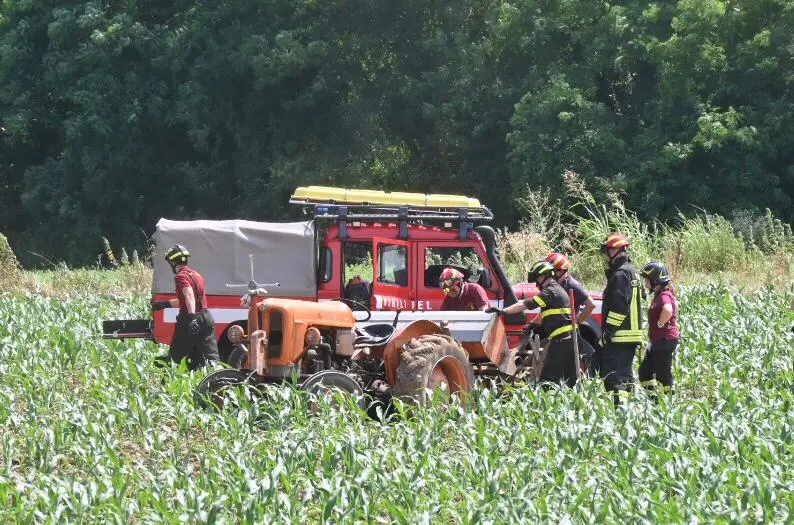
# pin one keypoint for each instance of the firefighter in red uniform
(657, 367)
(459, 295)
(621, 320)
(555, 315)
(194, 334)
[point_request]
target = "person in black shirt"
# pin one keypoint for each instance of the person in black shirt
(555, 314)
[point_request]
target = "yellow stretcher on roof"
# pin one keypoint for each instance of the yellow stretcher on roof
(326, 195)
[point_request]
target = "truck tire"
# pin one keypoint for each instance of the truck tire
(431, 362)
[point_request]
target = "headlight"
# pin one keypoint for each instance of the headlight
(235, 334)
(312, 337)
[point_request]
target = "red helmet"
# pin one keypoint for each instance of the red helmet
(450, 280)
(615, 240)
(559, 261)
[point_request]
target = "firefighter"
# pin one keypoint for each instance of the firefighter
(555, 314)
(621, 320)
(194, 333)
(459, 295)
(583, 303)
(582, 299)
(657, 366)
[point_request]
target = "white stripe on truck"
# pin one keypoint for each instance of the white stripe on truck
(221, 315)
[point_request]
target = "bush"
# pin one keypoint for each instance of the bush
(8, 261)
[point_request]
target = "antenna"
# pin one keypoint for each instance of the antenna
(252, 285)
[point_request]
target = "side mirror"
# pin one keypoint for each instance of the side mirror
(484, 279)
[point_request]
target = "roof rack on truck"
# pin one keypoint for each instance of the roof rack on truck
(342, 205)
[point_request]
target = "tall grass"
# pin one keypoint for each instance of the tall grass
(749, 250)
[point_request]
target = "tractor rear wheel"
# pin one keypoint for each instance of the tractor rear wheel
(217, 389)
(429, 363)
(325, 383)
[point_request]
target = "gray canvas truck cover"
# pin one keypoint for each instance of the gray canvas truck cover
(283, 252)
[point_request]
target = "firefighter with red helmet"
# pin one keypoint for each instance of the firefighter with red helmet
(459, 295)
(621, 319)
(555, 321)
(562, 269)
(657, 367)
(584, 304)
(194, 333)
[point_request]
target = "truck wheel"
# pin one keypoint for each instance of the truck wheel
(216, 390)
(429, 363)
(326, 382)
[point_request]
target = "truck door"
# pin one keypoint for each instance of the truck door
(393, 282)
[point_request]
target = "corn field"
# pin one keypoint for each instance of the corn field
(90, 431)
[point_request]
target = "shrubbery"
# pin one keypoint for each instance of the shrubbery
(758, 248)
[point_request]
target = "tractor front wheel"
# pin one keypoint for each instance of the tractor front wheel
(429, 363)
(222, 388)
(324, 384)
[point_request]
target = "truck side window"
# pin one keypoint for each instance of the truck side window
(463, 258)
(357, 261)
(393, 264)
(326, 267)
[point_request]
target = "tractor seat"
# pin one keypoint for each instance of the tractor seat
(374, 334)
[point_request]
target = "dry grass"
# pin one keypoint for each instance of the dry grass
(61, 282)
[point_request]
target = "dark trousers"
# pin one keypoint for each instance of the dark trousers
(200, 348)
(559, 365)
(616, 361)
(657, 367)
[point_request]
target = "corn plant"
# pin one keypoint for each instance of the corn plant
(91, 431)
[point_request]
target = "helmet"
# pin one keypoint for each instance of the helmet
(177, 254)
(657, 273)
(559, 261)
(615, 240)
(450, 280)
(539, 269)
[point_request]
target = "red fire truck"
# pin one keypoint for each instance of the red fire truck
(380, 249)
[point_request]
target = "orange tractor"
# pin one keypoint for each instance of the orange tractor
(381, 354)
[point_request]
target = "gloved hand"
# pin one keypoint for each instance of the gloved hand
(530, 329)
(494, 310)
(193, 325)
(160, 305)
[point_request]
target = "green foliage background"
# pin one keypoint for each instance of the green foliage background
(90, 431)
(113, 114)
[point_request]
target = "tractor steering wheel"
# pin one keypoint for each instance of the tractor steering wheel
(356, 307)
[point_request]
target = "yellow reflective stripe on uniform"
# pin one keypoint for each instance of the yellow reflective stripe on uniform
(628, 336)
(540, 301)
(624, 395)
(555, 311)
(174, 256)
(634, 309)
(613, 322)
(560, 330)
(616, 316)
(649, 383)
